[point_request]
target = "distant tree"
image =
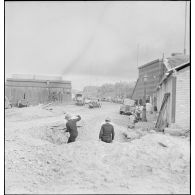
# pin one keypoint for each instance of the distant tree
(119, 89)
(90, 91)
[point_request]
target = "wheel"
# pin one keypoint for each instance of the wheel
(121, 112)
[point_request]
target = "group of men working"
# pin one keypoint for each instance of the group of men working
(106, 132)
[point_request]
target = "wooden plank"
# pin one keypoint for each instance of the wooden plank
(160, 122)
(173, 99)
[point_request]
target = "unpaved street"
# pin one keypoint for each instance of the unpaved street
(38, 160)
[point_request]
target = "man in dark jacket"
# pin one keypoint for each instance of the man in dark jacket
(71, 127)
(107, 132)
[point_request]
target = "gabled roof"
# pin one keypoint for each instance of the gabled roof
(175, 60)
(172, 70)
(149, 63)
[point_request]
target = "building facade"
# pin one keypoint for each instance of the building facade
(37, 91)
(176, 83)
(152, 72)
(182, 113)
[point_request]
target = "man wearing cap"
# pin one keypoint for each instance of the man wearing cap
(71, 127)
(107, 131)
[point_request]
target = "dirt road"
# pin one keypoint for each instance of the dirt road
(38, 160)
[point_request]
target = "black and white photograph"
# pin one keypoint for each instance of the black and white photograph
(97, 97)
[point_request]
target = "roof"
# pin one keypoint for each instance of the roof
(154, 71)
(36, 77)
(37, 81)
(172, 70)
(149, 63)
(176, 60)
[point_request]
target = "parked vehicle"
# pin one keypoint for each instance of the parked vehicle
(128, 107)
(87, 101)
(7, 103)
(94, 104)
(118, 100)
(23, 103)
(103, 99)
(79, 99)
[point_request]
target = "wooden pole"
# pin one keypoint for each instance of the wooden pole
(144, 119)
(137, 55)
(185, 28)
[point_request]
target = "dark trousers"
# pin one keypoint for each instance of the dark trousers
(71, 139)
(106, 140)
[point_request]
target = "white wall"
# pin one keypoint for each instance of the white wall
(183, 98)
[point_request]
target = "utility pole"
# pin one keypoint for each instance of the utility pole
(137, 55)
(185, 28)
(161, 67)
(144, 119)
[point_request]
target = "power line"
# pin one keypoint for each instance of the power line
(185, 28)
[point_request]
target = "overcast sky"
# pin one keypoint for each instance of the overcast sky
(91, 43)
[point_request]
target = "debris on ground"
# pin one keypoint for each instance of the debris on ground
(46, 105)
(132, 133)
(177, 132)
(131, 126)
(38, 160)
(152, 131)
(161, 144)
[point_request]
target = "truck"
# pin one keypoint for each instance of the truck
(23, 103)
(79, 99)
(128, 107)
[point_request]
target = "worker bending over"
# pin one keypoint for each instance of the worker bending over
(71, 127)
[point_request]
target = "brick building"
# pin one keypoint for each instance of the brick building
(37, 89)
(176, 85)
(153, 71)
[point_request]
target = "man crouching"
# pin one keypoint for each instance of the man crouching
(107, 131)
(71, 127)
